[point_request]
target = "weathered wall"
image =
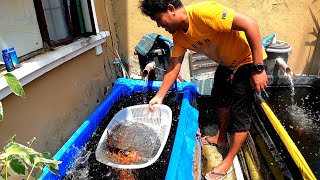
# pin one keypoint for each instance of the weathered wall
(59, 101)
(296, 22)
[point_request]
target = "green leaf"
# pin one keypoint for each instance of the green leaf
(29, 159)
(14, 84)
(54, 170)
(47, 155)
(54, 163)
(1, 112)
(17, 156)
(40, 166)
(14, 148)
(3, 155)
(18, 167)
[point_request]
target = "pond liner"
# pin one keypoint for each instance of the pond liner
(182, 156)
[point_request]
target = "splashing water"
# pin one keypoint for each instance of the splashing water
(82, 161)
(146, 81)
(145, 90)
(300, 115)
(292, 90)
(300, 118)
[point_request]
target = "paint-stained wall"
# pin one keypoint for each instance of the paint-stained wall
(296, 22)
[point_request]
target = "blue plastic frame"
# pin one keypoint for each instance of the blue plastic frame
(181, 160)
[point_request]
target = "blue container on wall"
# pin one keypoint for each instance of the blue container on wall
(7, 60)
(14, 57)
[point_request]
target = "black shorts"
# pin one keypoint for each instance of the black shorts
(235, 93)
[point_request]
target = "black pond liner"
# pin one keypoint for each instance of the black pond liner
(95, 170)
(306, 98)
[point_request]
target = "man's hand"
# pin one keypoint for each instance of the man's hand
(259, 81)
(155, 100)
(169, 78)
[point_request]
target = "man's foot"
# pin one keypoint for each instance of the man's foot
(207, 140)
(214, 174)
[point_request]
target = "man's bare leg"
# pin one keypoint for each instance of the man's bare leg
(237, 139)
(221, 137)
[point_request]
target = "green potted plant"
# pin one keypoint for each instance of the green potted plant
(15, 159)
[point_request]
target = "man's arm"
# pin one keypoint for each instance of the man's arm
(170, 77)
(244, 23)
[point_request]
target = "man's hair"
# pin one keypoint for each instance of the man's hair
(152, 7)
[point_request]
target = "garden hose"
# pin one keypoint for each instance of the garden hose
(253, 170)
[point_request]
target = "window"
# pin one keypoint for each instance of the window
(62, 21)
(19, 27)
(33, 25)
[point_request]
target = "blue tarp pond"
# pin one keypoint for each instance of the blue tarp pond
(182, 156)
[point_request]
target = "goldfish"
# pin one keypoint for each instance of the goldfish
(123, 155)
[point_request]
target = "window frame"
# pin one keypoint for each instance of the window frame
(47, 43)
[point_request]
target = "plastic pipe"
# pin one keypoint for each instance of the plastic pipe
(284, 66)
(122, 68)
(149, 67)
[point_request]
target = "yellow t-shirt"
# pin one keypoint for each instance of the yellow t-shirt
(210, 33)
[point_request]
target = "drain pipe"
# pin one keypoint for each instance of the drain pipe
(121, 67)
(284, 66)
(149, 67)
